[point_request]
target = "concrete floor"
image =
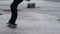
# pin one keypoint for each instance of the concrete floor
(31, 23)
(39, 20)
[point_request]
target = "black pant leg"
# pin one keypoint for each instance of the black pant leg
(14, 11)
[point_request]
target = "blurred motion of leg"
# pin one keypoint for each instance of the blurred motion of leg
(13, 7)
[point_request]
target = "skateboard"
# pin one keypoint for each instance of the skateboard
(11, 25)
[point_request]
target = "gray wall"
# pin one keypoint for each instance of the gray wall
(53, 0)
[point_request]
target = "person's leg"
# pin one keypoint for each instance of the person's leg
(14, 11)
